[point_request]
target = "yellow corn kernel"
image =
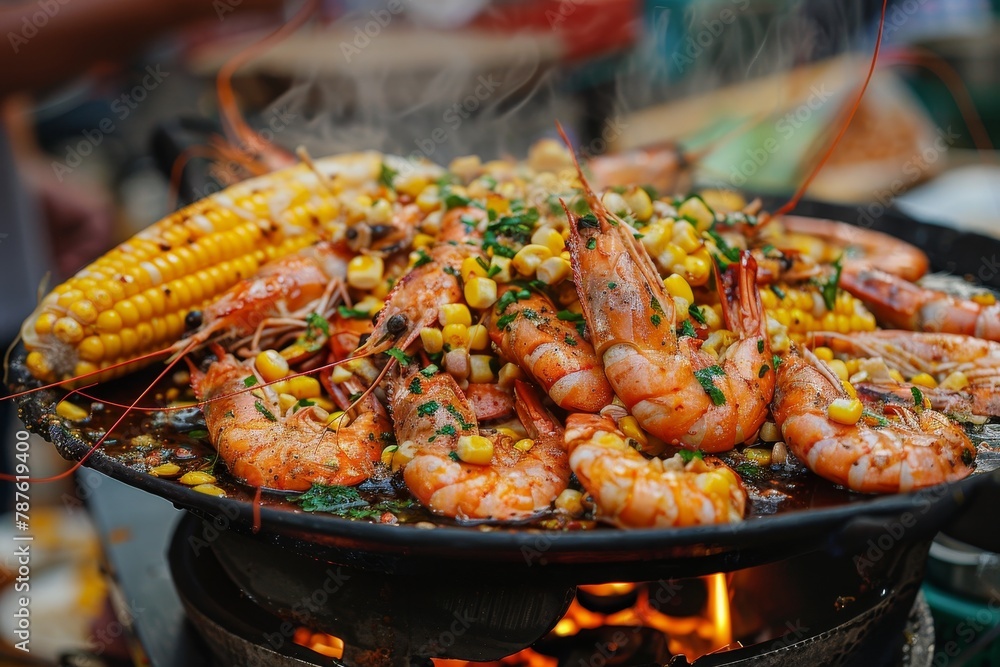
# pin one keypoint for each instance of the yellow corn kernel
(323, 403)
(716, 483)
(196, 477)
(422, 241)
(286, 402)
(370, 305)
(697, 269)
(480, 292)
(685, 237)
(475, 449)
(340, 375)
(303, 386)
(553, 270)
(479, 338)
(271, 365)
(759, 455)
(528, 258)
(896, 375)
(455, 335)
(570, 501)
(502, 265)
(508, 373)
(387, 455)
(840, 368)
(165, 470)
(524, 444)
(984, 298)
(381, 212)
(769, 432)
(472, 268)
(845, 411)
(71, 411)
(957, 381)
(365, 271)
(677, 286)
(824, 353)
(694, 209)
(639, 202)
(454, 313)
(550, 238)
(479, 368)
(852, 366)
(68, 330)
(630, 427)
(924, 380)
(849, 388)
(209, 490)
(429, 199)
(432, 339)
(334, 420)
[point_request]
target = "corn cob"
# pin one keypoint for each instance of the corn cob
(802, 310)
(134, 299)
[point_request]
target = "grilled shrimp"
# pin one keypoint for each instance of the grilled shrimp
(676, 391)
(912, 450)
(431, 417)
(902, 304)
(550, 350)
(632, 491)
(291, 451)
(938, 355)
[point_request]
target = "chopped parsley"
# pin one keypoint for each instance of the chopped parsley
(352, 313)
(198, 433)
(316, 324)
(588, 220)
(918, 397)
(457, 414)
(422, 258)
(591, 243)
(250, 381)
(687, 329)
(655, 319)
(483, 264)
(760, 345)
(303, 403)
(870, 416)
(763, 370)
(264, 411)
(729, 252)
(430, 371)
(428, 408)
(415, 387)
(452, 200)
(530, 314)
(829, 288)
(505, 321)
(688, 455)
(454, 457)
(612, 285)
(569, 316)
(778, 292)
(345, 501)
(696, 314)
(402, 357)
(492, 271)
(386, 176)
(704, 377)
(506, 300)
(570, 340)
(775, 361)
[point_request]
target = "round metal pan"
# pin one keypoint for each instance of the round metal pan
(870, 525)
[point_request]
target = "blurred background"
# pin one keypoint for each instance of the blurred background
(114, 113)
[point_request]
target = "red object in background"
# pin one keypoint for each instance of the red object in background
(587, 28)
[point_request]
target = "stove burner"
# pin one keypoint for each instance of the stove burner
(248, 598)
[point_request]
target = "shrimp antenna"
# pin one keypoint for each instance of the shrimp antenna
(83, 459)
(793, 202)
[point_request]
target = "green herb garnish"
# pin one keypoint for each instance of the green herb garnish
(264, 411)
(704, 377)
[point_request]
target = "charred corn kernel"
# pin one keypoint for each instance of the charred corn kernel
(472, 268)
(303, 386)
(480, 292)
(686, 237)
(955, 382)
(570, 501)
(639, 202)
(924, 380)
(524, 444)
(432, 339)
(759, 455)
(370, 305)
(71, 411)
(849, 388)
(824, 353)
(695, 210)
(209, 490)
(422, 241)
(630, 427)
(455, 335)
(500, 268)
(475, 449)
(286, 402)
(454, 313)
(387, 455)
(677, 286)
(479, 368)
(271, 365)
(840, 368)
(553, 270)
(528, 258)
(479, 338)
(457, 363)
(429, 199)
(845, 411)
(984, 298)
(196, 477)
(340, 375)
(364, 271)
(896, 375)
(769, 432)
(165, 470)
(697, 270)
(507, 374)
(550, 238)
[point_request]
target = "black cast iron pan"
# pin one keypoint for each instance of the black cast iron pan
(868, 525)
